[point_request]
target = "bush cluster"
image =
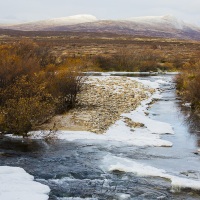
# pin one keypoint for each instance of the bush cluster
(33, 88)
(143, 61)
(188, 84)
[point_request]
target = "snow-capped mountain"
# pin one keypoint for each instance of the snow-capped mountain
(155, 26)
(167, 20)
(52, 23)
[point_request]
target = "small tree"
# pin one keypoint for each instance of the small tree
(25, 105)
(64, 85)
(31, 89)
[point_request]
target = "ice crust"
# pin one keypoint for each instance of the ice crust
(113, 163)
(16, 184)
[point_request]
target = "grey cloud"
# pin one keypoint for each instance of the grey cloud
(104, 9)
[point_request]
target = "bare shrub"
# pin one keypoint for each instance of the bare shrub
(64, 84)
(25, 104)
(188, 84)
(32, 88)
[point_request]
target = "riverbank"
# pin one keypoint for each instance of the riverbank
(101, 104)
(116, 109)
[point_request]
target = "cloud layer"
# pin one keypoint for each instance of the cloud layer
(26, 10)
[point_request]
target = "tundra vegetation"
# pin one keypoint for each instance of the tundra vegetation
(112, 52)
(33, 88)
(40, 76)
(188, 84)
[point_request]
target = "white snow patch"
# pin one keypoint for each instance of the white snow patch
(113, 163)
(105, 74)
(14, 136)
(157, 96)
(154, 84)
(62, 21)
(186, 104)
(159, 20)
(138, 115)
(139, 137)
(122, 196)
(62, 180)
(147, 83)
(15, 183)
(152, 125)
(119, 132)
(127, 73)
(173, 73)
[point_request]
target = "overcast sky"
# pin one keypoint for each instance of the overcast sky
(31, 10)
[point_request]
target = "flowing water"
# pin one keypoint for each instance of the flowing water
(73, 170)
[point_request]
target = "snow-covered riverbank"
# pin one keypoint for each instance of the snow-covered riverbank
(100, 104)
(123, 131)
(16, 184)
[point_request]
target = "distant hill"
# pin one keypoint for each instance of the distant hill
(51, 23)
(153, 26)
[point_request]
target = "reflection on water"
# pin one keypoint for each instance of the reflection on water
(18, 145)
(192, 120)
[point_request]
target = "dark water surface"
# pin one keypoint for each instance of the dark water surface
(72, 169)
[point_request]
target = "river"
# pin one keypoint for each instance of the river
(75, 170)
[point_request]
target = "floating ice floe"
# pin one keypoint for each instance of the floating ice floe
(113, 163)
(16, 184)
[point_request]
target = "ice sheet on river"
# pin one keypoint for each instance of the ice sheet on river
(153, 126)
(119, 132)
(15, 183)
(113, 163)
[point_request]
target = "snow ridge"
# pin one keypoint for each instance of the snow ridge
(70, 20)
(159, 20)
